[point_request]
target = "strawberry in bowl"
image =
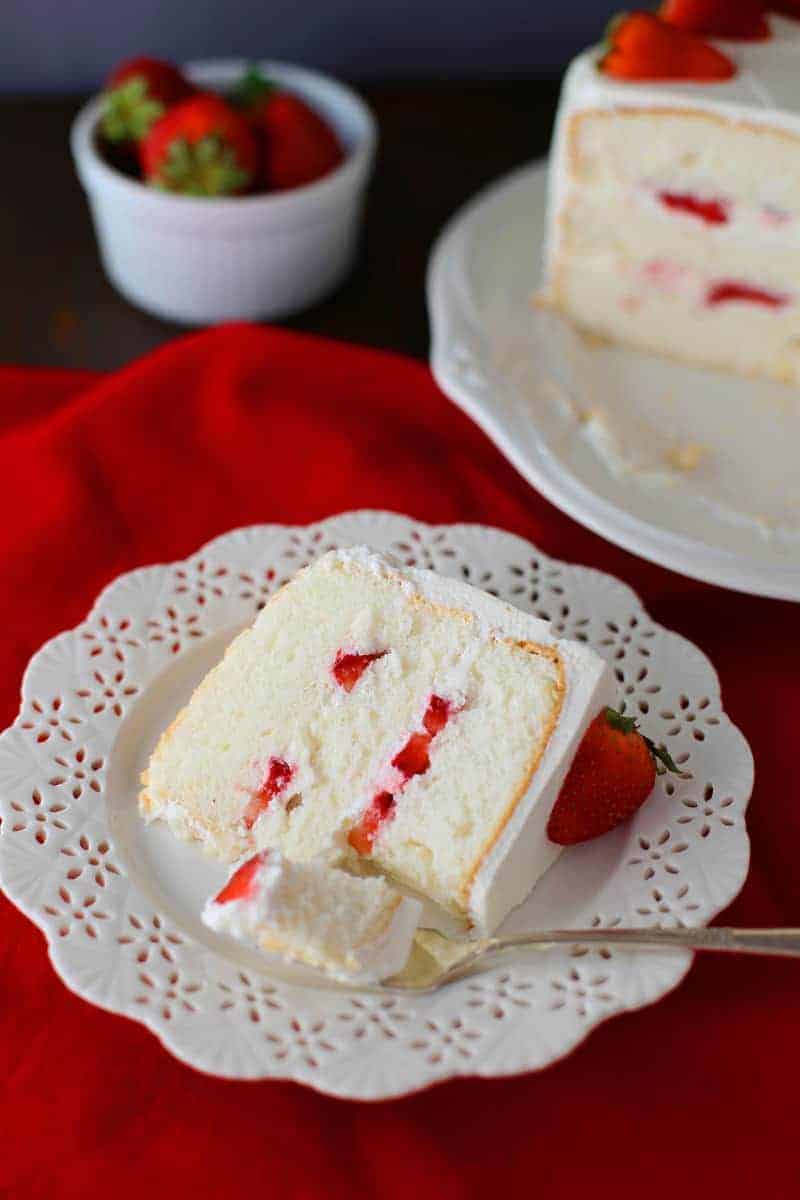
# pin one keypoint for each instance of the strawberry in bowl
(299, 146)
(238, 204)
(201, 147)
(136, 94)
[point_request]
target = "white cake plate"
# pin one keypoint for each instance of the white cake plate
(529, 381)
(119, 902)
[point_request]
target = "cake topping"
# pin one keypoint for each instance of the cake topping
(713, 212)
(643, 46)
(739, 20)
(413, 759)
(611, 776)
(277, 777)
(242, 884)
(732, 290)
(347, 669)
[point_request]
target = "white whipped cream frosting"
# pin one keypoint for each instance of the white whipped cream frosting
(269, 910)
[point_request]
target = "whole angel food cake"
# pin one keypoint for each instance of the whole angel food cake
(354, 928)
(674, 211)
(393, 721)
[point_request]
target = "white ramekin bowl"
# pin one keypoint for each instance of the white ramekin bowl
(199, 261)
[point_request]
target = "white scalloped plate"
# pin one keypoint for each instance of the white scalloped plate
(119, 902)
(525, 377)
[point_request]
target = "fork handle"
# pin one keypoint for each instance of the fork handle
(784, 942)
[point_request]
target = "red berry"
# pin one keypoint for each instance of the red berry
(413, 759)
(136, 94)
(347, 669)
(362, 836)
(300, 147)
(713, 212)
(277, 778)
(728, 290)
(201, 147)
(611, 776)
(642, 46)
(242, 884)
(437, 715)
(740, 20)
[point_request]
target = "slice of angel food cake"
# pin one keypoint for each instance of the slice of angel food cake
(387, 721)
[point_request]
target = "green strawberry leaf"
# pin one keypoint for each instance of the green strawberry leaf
(664, 760)
(661, 756)
(129, 111)
(207, 167)
(252, 89)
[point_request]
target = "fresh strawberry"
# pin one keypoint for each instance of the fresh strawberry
(201, 147)
(299, 146)
(739, 20)
(642, 46)
(241, 884)
(611, 776)
(136, 94)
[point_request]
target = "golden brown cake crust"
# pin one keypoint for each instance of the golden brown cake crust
(546, 652)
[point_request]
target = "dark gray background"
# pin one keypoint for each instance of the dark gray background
(69, 45)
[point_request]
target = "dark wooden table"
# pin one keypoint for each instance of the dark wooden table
(439, 144)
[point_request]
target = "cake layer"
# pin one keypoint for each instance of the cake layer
(388, 717)
(663, 306)
(744, 166)
(630, 226)
(359, 930)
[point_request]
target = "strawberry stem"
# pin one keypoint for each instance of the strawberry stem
(612, 25)
(622, 723)
(251, 89)
(661, 755)
(129, 111)
(664, 760)
(207, 167)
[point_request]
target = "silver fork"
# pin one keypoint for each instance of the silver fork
(436, 960)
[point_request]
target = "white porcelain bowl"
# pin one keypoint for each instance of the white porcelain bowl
(199, 261)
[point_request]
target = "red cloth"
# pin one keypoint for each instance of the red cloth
(243, 425)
